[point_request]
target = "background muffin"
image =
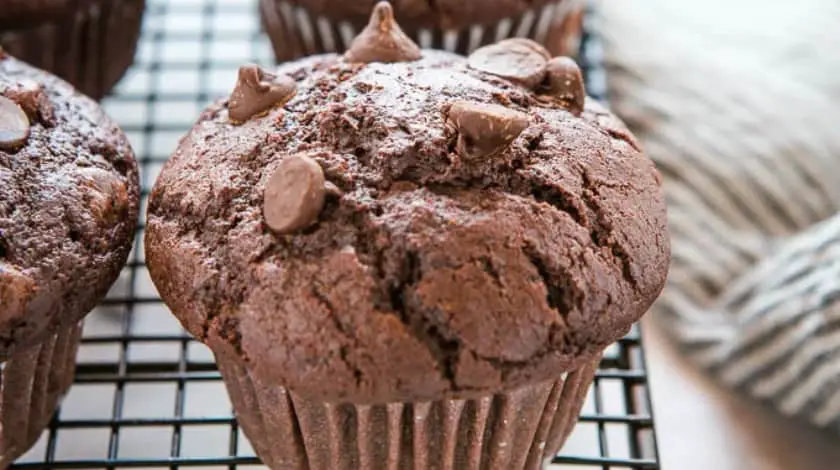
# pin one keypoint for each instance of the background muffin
(304, 27)
(89, 43)
(68, 209)
(404, 257)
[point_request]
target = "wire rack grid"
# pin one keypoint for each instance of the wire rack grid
(148, 396)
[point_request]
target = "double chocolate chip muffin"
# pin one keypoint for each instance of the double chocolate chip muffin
(303, 27)
(68, 207)
(406, 258)
(89, 43)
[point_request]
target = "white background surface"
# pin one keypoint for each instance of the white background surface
(701, 426)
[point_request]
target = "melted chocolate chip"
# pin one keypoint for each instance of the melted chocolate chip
(294, 195)
(14, 125)
(257, 91)
(519, 60)
(564, 83)
(485, 129)
(382, 40)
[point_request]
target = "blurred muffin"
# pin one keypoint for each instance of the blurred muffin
(304, 27)
(89, 43)
(68, 210)
(406, 258)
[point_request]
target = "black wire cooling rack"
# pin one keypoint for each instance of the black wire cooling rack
(146, 395)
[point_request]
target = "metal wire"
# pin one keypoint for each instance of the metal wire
(196, 42)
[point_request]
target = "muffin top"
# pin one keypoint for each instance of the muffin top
(68, 204)
(398, 224)
(414, 14)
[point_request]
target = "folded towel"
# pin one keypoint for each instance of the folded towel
(739, 105)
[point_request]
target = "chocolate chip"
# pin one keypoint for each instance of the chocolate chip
(485, 129)
(530, 44)
(30, 96)
(657, 176)
(14, 125)
(257, 91)
(332, 190)
(105, 194)
(564, 83)
(519, 60)
(382, 40)
(294, 195)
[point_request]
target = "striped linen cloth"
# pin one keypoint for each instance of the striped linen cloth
(739, 105)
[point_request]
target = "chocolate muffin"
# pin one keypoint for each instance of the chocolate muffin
(68, 210)
(406, 258)
(304, 27)
(89, 43)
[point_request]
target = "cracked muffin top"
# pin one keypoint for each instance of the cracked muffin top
(69, 195)
(398, 225)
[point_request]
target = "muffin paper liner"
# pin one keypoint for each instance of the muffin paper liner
(91, 49)
(518, 430)
(32, 383)
(294, 32)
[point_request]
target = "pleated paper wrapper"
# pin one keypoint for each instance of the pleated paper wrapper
(518, 430)
(296, 32)
(91, 49)
(32, 382)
